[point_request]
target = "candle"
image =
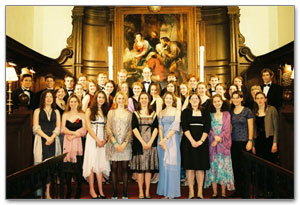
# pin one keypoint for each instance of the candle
(110, 63)
(201, 63)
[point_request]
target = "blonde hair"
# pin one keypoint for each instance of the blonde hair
(125, 98)
(255, 87)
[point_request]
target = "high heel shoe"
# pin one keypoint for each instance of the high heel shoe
(101, 197)
(96, 197)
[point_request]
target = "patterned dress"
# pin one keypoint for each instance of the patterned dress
(220, 157)
(120, 128)
(144, 160)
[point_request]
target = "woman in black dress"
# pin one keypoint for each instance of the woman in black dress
(46, 125)
(194, 145)
(144, 151)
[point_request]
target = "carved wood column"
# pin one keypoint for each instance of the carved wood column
(233, 14)
(77, 16)
(96, 39)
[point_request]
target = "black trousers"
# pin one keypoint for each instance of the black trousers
(240, 171)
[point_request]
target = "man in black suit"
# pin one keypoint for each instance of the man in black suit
(69, 83)
(213, 81)
(147, 73)
(101, 80)
(26, 83)
(270, 89)
(50, 83)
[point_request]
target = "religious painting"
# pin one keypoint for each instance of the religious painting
(158, 41)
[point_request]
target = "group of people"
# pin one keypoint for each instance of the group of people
(154, 131)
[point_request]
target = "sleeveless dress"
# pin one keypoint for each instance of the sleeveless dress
(94, 156)
(47, 127)
(73, 166)
(144, 160)
(169, 161)
(221, 165)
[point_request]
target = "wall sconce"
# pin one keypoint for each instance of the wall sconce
(11, 76)
(154, 9)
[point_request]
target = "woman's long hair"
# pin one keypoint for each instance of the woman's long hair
(150, 110)
(189, 104)
(43, 97)
(255, 106)
(79, 108)
(94, 106)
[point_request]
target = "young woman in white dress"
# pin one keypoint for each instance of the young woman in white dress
(95, 160)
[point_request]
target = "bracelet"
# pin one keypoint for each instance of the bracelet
(250, 140)
(201, 141)
(114, 143)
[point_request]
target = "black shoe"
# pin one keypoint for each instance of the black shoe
(214, 196)
(198, 197)
(101, 197)
(223, 197)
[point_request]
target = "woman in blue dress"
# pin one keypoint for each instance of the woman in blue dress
(169, 149)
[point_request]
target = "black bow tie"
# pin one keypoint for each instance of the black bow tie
(26, 90)
(70, 90)
(267, 85)
(147, 82)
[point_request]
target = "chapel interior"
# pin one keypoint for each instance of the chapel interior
(237, 40)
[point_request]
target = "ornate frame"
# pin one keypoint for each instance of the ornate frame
(118, 38)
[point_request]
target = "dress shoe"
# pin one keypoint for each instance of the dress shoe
(96, 197)
(214, 196)
(101, 197)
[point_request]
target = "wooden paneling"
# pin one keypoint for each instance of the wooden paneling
(19, 142)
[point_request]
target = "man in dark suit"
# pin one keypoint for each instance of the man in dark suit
(50, 83)
(101, 80)
(26, 83)
(270, 89)
(69, 83)
(147, 79)
(213, 81)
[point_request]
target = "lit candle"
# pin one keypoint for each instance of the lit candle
(110, 63)
(201, 63)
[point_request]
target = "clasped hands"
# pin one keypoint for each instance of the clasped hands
(120, 147)
(216, 141)
(75, 134)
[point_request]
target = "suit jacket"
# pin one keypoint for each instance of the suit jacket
(67, 96)
(274, 95)
(144, 87)
(15, 99)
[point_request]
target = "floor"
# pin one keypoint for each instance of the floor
(133, 191)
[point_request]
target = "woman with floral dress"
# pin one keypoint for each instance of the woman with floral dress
(219, 149)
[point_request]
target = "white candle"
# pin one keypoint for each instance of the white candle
(110, 63)
(201, 63)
